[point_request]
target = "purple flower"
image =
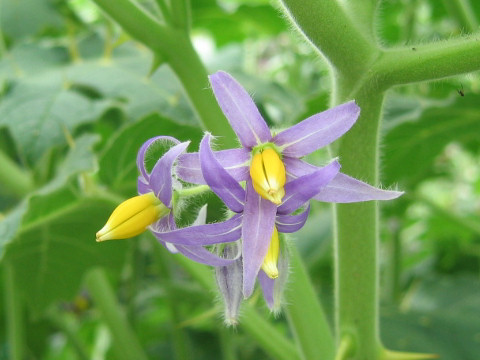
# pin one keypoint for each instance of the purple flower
(266, 159)
(188, 241)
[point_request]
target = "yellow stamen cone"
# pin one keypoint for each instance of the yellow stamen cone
(268, 175)
(271, 259)
(132, 217)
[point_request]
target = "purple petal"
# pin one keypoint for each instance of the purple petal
(240, 110)
(142, 186)
(235, 161)
(302, 189)
(345, 189)
(257, 229)
(317, 131)
(342, 189)
(267, 285)
(291, 223)
(273, 288)
(229, 281)
(222, 232)
(143, 150)
(161, 176)
(203, 256)
(219, 180)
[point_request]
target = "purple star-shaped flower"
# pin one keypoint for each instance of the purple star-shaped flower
(260, 215)
(189, 241)
(223, 170)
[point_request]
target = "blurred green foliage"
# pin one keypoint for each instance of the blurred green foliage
(77, 101)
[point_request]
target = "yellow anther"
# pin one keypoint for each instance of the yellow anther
(270, 261)
(132, 217)
(268, 175)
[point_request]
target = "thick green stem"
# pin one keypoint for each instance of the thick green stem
(175, 47)
(330, 30)
(180, 344)
(427, 62)
(124, 338)
(14, 315)
(186, 63)
(13, 179)
(356, 230)
(305, 314)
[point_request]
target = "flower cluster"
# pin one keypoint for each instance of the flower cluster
(265, 184)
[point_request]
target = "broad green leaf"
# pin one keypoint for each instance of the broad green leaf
(442, 318)
(80, 158)
(23, 18)
(118, 166)
(38, 115)
(55, 246)
(124, 80)
(31, 59)
(411, 147)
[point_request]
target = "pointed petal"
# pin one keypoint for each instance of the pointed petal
(166, 223)
(143, 150)
(235, 161)
(273, 288)
(229, 281)
(343, 188)
(222, 232)
(257, 229)
(201, 216)
(267, 285)
(203, 256)
(219, 180)
(161, 176)
(142, 186)
(240, 110)
(302, 189)
(291, 223)
(317, 131)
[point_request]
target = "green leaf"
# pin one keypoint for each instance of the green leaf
(118, 166)
(442, 318)
(38, 115)
(124, 79)
(55, 245)
(31, 59)
(80, 158)
(22, 18)
(411, 147)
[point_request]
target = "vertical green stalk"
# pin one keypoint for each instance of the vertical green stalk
(14, 315)
(124, 339)
(179, 338)
(305, 314)
(187, 65)
(356, 232)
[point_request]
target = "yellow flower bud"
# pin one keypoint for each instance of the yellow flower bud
(270, 261)
(268, 175)
(132, 217)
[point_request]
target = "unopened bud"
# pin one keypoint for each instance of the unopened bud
(132, 217)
